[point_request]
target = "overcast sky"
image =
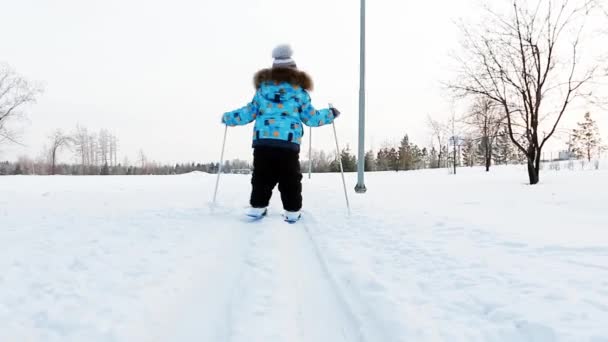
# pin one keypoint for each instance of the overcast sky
(159, 74)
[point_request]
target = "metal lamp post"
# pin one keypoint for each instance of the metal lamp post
(360, 187)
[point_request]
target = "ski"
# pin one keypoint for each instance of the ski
(255, 218)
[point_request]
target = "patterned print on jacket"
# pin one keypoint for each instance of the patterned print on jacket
(280, 106)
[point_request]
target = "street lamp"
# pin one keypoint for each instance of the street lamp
(360, 187)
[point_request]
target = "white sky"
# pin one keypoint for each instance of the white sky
(159, 74)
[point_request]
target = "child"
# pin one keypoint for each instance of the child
(280, 105)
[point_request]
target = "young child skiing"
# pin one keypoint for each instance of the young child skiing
(279, 108)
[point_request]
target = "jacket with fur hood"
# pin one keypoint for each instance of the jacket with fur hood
(280, 106)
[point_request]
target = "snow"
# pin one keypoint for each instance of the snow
(425, 256)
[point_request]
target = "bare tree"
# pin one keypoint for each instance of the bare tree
(438, 131)
(114, 150)
(95, 149)
(486, 118)
(455, 140)
(469, 151)
(15, 92)
(141, 158)
(111, 149)
(104, 147)
(93, 152)
(80, 139)
(26, 165)
(58, 141)
(530, 63)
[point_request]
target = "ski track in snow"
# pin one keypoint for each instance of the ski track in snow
(295, 300)
(275, 288)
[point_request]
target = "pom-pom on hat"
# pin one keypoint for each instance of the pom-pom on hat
(282, 57)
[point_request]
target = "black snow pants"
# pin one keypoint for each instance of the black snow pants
(272, 165)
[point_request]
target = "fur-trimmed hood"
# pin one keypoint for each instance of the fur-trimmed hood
(292, 76)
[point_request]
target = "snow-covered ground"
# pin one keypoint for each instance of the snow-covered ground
(425, 256)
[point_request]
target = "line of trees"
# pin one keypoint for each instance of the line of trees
(531, 62)
(328, 162)
(28, 166)
(482, 146)
(96, 153)
(484, 139)
(93, 150)
(409, 156)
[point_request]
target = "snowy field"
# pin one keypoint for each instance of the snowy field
(425, 256)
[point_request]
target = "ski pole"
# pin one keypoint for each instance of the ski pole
(310, 154)
(219, 171)
(339, 156)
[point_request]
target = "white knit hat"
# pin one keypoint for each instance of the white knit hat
(282, 57)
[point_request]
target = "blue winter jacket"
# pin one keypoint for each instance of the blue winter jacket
(280, 106)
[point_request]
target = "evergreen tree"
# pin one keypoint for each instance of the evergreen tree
(482, 151)
(469, 152)
(370, 162)
(424, 155)
(393, 159)
(18, 170)
(105, 170)
(416, 157)
(227, 168)
(586, 138)
(433, 161)
(503, 151)
(349, 162)
(382, 160)
(405, 154)
(444, 153)
(4, 168)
